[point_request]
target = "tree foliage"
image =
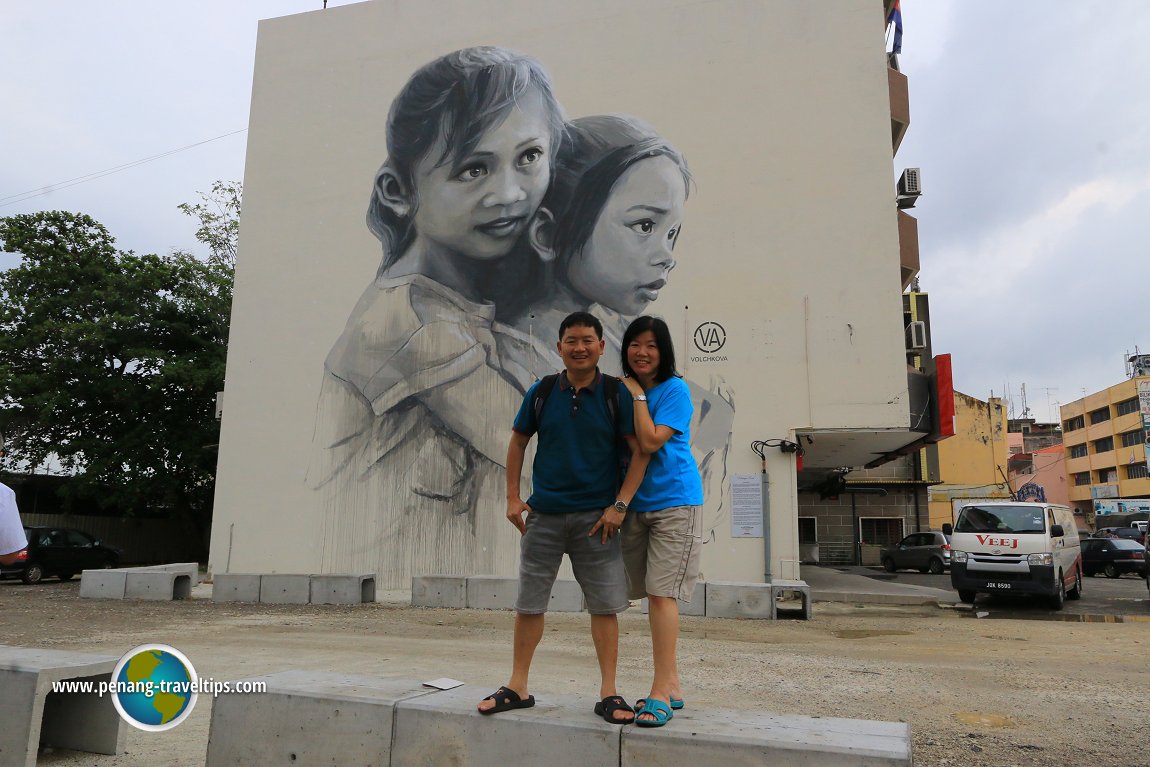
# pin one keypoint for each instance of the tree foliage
(110, 361)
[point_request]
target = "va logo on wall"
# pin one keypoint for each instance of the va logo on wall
(710, 337)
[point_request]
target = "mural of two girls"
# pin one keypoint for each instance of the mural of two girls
(497, 218)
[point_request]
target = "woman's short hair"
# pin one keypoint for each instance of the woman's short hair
(663, 342)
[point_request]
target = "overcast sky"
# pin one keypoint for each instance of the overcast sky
(1029, 120)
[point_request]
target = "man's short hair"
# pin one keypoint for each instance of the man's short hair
(582, 320)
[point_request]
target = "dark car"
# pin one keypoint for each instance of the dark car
(918, 551)
(1112, 557)
(1128, 533)
(62, 552)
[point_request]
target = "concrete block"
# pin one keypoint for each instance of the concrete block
(103, 584)
(342, 589)
(697, 606)
(492, 592)
(192, 569)
(309, 718)
(786, 589)
(743, 739)
(285, 589)
(235, 587)
(444, 729)
(726, 599)
(162, 585)
(566, 597)
(439, 591)
(33, 715)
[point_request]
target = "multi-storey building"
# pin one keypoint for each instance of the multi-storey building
(1104, 437)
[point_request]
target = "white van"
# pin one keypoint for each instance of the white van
(1011, 547)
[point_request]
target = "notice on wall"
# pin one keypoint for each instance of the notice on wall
(747, 506)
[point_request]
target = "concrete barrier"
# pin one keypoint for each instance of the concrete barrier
(159, 585)
(498, 592)
(445, 729)
(279, 589)
(439, 591)
(33, 715)
(308, 718)
(717, 737)
(235, 587)
(157, 582)
(781, 589)
(726, 599)
(342, 589)
(103, 584)
(318, 718)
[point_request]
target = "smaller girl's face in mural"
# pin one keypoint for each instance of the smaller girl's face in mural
(628, 256)
(643, 356)
(478, 207)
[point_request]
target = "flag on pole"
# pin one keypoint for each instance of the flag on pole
(895, 17)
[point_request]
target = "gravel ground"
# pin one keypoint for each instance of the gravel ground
(976, 693)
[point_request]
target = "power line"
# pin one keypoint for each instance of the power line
(14, 199)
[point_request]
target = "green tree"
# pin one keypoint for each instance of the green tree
(110, 361)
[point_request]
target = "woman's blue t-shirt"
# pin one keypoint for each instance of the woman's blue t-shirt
(672, 477)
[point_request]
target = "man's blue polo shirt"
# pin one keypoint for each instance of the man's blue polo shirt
(577, 458)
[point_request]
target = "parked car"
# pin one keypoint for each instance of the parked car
(1112, 557)
(62, 552)
(925, 552)
(1129, 533)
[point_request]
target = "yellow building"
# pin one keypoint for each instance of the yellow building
(1105, 442)
(972, 463)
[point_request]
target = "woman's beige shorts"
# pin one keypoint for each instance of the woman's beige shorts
(661, 551)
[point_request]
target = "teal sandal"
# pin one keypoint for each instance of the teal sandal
(676, 703)
(656, 708)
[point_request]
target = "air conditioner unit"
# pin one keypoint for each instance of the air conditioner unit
(909, 188)
(910, 182)
(916, 336)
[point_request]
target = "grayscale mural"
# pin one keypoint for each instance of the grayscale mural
(497, 217)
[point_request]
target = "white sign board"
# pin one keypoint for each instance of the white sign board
(747, 506)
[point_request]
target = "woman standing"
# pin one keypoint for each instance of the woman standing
(663, 537)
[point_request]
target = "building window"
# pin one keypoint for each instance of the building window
(808, 530)
(1082, 478)
(1131, 438)
(1127, 406)
(1104, 445)
(1107, 476)
(1078, 451)
(1100, 415)
(880, 532)
(1136, 471)
(1077, 422)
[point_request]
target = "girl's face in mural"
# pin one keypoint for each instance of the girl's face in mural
(643, 356)
(478, 207)
(626, 260)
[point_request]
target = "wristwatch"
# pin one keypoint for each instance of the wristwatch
(640, 398)
(621, 507)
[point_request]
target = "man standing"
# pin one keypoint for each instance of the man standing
(576, 508)
(12, 540)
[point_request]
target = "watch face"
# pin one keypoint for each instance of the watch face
(620, 506)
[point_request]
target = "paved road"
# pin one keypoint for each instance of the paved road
(1101, 596)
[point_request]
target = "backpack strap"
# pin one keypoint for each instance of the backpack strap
(611, 392)
(542, 392)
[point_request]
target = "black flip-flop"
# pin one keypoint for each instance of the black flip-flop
(507, 699)
(607, 707)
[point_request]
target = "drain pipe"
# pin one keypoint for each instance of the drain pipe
(766, 525)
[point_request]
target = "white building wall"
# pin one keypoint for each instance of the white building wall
(789, 238)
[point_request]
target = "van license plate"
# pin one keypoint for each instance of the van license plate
(998, 585)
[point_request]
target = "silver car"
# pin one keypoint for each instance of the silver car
(925, 552)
